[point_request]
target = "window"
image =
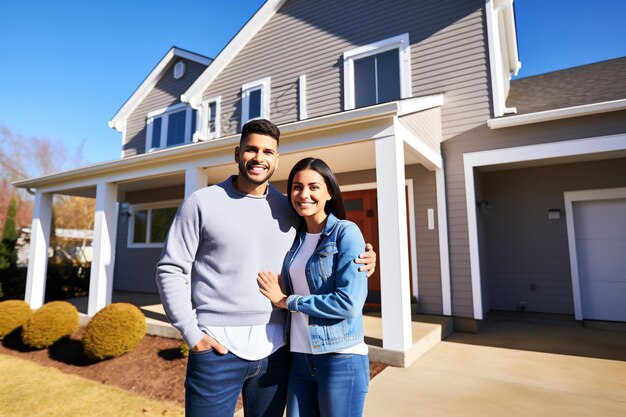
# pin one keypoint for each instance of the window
(149, 224)
(172, 126)
(255, 100)
(377, 73)
(211, 120)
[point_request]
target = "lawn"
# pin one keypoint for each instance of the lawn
(29, 389)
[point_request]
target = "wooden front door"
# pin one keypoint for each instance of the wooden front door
(361, 209)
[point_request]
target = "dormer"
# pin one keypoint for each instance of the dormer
(153, 117)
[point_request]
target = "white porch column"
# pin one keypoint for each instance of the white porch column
(105, 232)
(38, 253)
(195, 179)
(394, 246)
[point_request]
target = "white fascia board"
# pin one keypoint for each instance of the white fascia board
(118, 121)
(193, 95)
(511, 39)
(557, 114)
(414, 105)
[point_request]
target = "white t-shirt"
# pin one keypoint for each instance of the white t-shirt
(252, 343)
(299, 335)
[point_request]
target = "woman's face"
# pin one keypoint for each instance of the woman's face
(309, 195)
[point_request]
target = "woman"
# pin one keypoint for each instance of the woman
(325, 296)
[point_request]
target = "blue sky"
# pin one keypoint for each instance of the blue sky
(66, 67)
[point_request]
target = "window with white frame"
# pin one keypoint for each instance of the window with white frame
(255, 100)
(171, 126)
(211, 118)
(377, 73)
(149, 223)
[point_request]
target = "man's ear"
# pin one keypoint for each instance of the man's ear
(237, 154)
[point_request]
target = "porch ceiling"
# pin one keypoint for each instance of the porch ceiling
(554, 161)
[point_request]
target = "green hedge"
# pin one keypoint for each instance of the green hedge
(50, 323)
(114, 331)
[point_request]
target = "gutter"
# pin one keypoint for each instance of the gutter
(557, 114)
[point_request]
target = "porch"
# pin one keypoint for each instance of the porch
(427, 330)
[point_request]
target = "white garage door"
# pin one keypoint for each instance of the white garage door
(600, 230)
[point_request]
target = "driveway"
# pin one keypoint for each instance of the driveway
(515, 366)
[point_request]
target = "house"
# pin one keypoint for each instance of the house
(479, 193)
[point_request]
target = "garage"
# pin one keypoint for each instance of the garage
(597, 244)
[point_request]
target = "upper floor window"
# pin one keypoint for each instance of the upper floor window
(171, 126)
(149, 223)
(377, 73)
(255, 100)
(211, 118)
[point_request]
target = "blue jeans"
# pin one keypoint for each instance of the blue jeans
(214, 382)
(327, 385)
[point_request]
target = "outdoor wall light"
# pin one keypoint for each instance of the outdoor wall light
(554, 214)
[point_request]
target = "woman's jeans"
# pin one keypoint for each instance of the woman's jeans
(214, 382)
(327, 385)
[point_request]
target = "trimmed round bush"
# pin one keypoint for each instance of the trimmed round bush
(50, 323)
(13, 315)
(113, 331)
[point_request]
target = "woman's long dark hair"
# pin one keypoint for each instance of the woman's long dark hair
(335, 204)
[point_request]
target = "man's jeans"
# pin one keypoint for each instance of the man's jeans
(214, 382)
(328, 385)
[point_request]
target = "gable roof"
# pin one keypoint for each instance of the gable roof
(118, 121)
(587, 84)
(193, 95)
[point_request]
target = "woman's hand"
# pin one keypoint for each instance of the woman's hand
(269, 287)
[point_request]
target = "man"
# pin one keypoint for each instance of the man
(220, 239)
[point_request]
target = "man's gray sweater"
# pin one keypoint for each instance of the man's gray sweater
(218, 242)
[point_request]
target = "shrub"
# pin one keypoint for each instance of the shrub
(184, 349)
(113, 331)
(13, 315)
(50, 323)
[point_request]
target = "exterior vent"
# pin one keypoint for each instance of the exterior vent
(179, 70)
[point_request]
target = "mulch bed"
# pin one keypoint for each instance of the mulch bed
(154, 369)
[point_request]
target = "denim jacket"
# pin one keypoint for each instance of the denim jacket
(338, 289)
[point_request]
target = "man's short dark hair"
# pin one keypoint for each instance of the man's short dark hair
(261, 127)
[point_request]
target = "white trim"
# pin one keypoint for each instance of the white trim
(400, 42)
(193, 95)
(444, 251)
(118, 121)
(496, 59)
(302, 113)
(412, 222)
(165, 161)
(131, 223)
(164, 114)
(264, 86)
(557, 114)
(205, 118)
(519, 154)
(574, 196)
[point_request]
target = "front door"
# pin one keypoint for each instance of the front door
(361, 209)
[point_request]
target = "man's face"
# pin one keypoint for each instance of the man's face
(257, 158)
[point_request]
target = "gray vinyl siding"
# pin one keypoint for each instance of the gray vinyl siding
(483, 138)
(135, 268)
(448, 55)
(526, 253)
(165, 93)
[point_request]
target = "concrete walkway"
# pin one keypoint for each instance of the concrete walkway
(511, 368)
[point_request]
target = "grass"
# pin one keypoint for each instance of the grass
(28, 389)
